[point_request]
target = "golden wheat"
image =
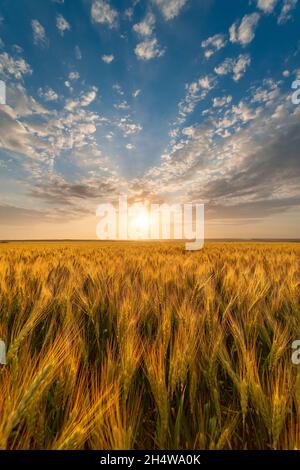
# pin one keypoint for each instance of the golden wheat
(146, 346)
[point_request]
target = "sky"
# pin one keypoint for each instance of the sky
(160, 100)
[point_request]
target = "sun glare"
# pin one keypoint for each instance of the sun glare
(141, 222)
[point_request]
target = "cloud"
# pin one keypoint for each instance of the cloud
(16, 135)
(213, 44)
(107, 58)
(128, 13)
(48, 94)
(244, 32)
(116, 87)
(128, 127)
(149, 49)
(266, 93)
(39, 34)
(17, 216)
(75, 197)
(74, 76)
(122, 105)
(78, 54)
(130, 147)
(62, 24)
(195, 92)
(236, 66)
(103, 13)
(89, 97)
(221, 101)
(267, 6)
(136, 93)
(170, 8)
(285, 14)
(145, 27)
(15, 68)
(243, 174)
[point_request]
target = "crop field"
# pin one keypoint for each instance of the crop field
(146, 346)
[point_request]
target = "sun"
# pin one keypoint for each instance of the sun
(141, 222)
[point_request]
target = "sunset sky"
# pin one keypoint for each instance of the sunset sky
(161, 100)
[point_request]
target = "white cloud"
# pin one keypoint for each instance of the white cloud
(14, 67)
(122, 105)
(128, 13)
(136, 93)
(118, 89)
(244, 32)
(145, 27)
(267, 6)
(39, 34)
(206, 82)
(78, 54)
(103, 13)
(130, 147)
(196, 91)
(48, 94)
(89, 97)
(244, 113)
(219, 102)
(236, 66)
(128, 127)
(62, 24)
(149, 49)
(267, 92)
(170, 8)
(107, 58)
(285, 14)
(213, 44)
(74, 76)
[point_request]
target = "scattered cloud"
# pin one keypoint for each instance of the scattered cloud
(74, 75)
(287, 7)
(149, 49)
(62, 24)
(136, 93)
(108, 58)
(170, 8)
(103, 13)
(145, 27)
(213, 44)
(39, 34)
(128, 127)
(237, 67)
(78, 54)
(48, 94)
(267, 6)
(219, 102)
(12, 67)
(244, 32)
(89, 97)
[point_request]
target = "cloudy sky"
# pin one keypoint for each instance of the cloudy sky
(162, 100)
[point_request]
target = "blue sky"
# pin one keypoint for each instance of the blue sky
(164, 100)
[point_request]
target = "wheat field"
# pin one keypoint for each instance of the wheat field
(146, 346)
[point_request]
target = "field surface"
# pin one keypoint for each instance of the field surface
(146, 346)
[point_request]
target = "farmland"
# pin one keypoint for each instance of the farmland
(147, 346)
